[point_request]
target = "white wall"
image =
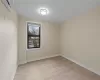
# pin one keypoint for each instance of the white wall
(80, 40)
(50, 38)
(8, 43)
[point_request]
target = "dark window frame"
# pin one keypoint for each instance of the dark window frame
(33, 35)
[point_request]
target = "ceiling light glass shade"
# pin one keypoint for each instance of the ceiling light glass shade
(43, 11)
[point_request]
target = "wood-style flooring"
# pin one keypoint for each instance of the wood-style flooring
(57, 68)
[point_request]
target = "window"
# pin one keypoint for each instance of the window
(33, 35)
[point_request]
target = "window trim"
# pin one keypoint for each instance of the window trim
(39, 34)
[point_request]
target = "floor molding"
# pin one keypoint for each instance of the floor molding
(55, 55)
(21, 62)
(81, 65)
(14, 72)
(44, 57)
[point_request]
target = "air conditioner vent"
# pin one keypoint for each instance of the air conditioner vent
(6, 4)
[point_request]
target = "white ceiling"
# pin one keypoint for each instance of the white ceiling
(60, 10)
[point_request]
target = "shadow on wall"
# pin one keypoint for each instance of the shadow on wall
(7, 49)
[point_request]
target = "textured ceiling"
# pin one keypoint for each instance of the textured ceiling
(60, 10)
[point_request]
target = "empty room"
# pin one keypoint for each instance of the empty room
(49, 39)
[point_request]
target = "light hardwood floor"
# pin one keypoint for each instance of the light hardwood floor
(57, 68)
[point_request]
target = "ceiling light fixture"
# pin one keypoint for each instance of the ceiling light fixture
(43, 11)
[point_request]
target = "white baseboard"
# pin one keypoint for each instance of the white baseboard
(21, 62)
(81, 65)
(50, 56)
(14, 73)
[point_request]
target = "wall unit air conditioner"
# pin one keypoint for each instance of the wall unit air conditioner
(6, 4)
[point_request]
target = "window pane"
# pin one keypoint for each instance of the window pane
(33, 35)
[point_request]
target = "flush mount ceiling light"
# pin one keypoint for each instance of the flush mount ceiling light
(43, 11)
